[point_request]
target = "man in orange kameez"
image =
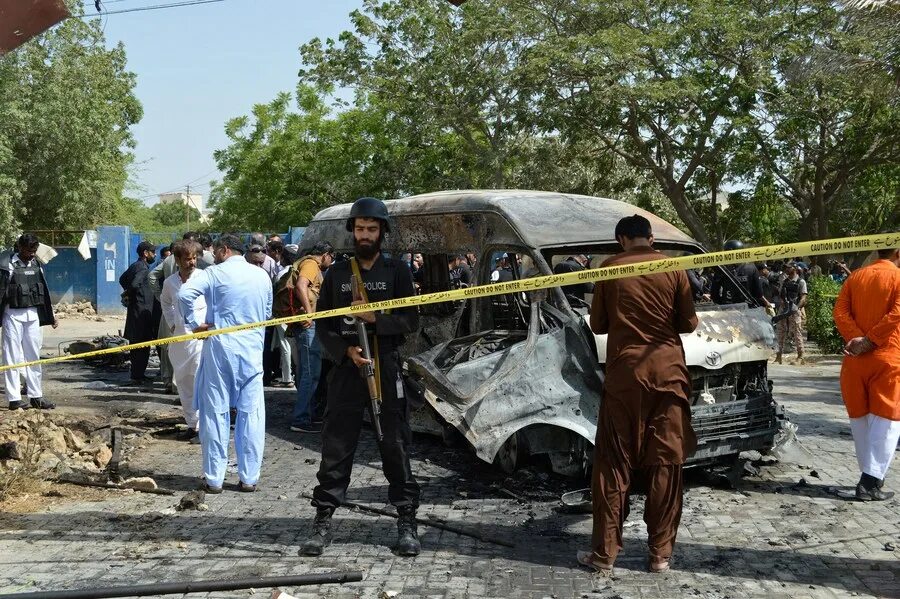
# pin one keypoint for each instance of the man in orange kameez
(644, 426)
(867, 314)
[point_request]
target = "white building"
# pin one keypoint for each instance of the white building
(194, 200)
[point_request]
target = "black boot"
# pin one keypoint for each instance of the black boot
(321, 536)
(407, 535)
(869, 489)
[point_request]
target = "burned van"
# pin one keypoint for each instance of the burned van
(522, 373)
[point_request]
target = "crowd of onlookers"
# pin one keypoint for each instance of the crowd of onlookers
(283, 357)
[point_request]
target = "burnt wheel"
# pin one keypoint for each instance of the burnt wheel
(512, 453)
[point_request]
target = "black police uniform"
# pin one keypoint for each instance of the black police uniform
(348, 396)
(576, 290)
(724, 291)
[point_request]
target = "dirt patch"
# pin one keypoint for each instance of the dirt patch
(38, 495)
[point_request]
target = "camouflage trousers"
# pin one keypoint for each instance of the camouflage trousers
(791, 326)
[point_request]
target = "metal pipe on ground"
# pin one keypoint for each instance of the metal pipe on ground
(432, 521)
(200, 586)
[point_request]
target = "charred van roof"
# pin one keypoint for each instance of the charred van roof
(541, 218)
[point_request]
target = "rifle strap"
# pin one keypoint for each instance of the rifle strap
(361, 285)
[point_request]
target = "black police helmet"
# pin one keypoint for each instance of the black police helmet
(369, 208)
(734, 244)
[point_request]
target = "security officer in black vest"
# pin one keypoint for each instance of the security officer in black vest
(25, 307)
(724, 291)
(384, 278)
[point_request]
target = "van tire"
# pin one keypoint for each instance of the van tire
(512, 453)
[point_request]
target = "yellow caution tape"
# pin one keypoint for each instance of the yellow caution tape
(863, 243)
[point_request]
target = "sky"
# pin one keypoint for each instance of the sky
(198, 66)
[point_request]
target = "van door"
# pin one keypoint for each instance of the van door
(493, 383)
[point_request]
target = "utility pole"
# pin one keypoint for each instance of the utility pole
(187, 205)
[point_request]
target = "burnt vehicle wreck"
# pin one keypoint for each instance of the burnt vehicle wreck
(521, 374)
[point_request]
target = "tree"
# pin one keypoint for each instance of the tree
(663, 85)
(175, 214)
(820, 134)
(457, 86)
(282, 167)
(877, 22)
(66, 108)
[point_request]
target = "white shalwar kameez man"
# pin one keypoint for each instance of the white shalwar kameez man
(230, 374)
(185, 356)
(24, 307)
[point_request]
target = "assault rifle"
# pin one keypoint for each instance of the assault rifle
(789, 308)
(368, 371)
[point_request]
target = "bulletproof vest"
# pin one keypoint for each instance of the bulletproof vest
(379, 283)
(729, 293)
(26, 289)
(790, 290)
(743, 274)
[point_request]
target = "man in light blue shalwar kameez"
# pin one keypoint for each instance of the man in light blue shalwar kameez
(230, 373)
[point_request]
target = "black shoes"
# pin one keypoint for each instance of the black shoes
(38, 403)
(190, 435)
(321, 536)
(869, 489)
(407, 536)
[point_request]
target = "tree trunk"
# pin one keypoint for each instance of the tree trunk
(714, 207)
(688, 215)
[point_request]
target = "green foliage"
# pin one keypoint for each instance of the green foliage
(157, 223)
(820, 135)
(656, 103)
(176, 214)
(66, 108)
(819, 309)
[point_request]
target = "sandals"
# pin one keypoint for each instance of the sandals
(589, 560)
(245, 488)
(210, 489)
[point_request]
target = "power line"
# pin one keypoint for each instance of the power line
(182, 186)
(154, 7)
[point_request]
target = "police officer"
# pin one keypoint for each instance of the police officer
(383, 278)
(575, 263)
(724, 291)
(25, 307)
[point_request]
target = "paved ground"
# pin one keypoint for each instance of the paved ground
(779, 534)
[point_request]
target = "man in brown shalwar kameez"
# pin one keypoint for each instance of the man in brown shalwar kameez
(644, 427)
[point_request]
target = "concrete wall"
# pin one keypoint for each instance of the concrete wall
(72, 278)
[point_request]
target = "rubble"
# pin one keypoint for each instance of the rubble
(193, 500)
(83, 310)
(139, 483)
(44, 445)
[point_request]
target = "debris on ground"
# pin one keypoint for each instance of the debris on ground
(84, 310)
(139, 483)
(98, 386)
(193, 500)
(52, 443)
(98, 343)
(889, 547)
(38, 446)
